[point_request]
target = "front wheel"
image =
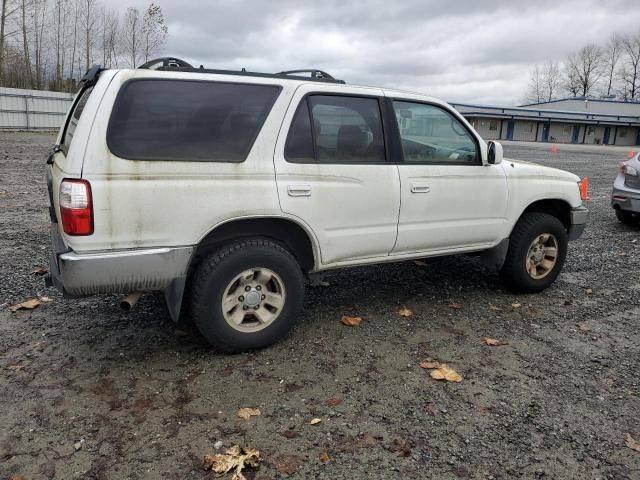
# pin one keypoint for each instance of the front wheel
(247, 295)
(537, 250)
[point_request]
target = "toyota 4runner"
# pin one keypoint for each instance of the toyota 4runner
(223, 189)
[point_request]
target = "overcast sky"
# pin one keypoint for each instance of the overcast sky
(458, 50)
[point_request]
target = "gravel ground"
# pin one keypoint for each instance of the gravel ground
(88, 391)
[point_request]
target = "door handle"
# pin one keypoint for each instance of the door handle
(419, 187)
(299, 190)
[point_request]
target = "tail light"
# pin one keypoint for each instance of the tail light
(584, 188)
(627, 169)
(76, 207)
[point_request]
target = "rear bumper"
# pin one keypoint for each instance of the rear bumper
(82, 274)
(579, 218)
(626, 199)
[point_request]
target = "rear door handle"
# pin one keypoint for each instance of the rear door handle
(299, 190)
(419, 187)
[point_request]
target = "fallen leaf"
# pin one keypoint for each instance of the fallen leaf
(516, 305)
(44, 299)
(429, 364)
(632, 444)
(234, 458)
(247, 413)
(324, 457)
(287, 464)
(493, 307)
(27, 305)
(441, 371)
(315, 421)
(334, 402)
(399, 445)
(456, 306)
(40, 271)
(16, 368)
(405, 312)
(494, 342)
(290, 434)
(351, 321)
(421, 263)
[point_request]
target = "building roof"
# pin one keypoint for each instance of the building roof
(545, 115)
(590, 105)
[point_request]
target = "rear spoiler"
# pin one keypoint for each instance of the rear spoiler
(91, 76)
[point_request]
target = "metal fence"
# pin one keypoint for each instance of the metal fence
(32, 109)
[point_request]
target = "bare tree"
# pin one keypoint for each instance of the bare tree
(6, 10)
(611, 53)
(25, 42)
(630, 71)
(535, 91)
(88, 24)
(583, 70)
(110, 30)
(50, 43)
(154, 30)
(132, 36)
(39, 13)
(552, 79)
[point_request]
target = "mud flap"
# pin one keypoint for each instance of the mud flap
(173, 296)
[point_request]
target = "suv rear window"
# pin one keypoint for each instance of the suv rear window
(188, 120)
(74, 118)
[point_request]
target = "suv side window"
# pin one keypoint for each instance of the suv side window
(336, 129)
(188, 120)
(430, 134)
(74, 118)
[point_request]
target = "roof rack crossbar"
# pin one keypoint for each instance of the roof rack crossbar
(315, 73)
(177, 64)
(166, 62)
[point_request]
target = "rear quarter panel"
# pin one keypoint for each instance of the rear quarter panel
(174, 203)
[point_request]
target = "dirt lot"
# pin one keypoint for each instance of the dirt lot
(88, 391)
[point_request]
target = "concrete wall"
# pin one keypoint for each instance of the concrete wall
(488, 128)
(531, 131)
(626, 136)
(33, 109)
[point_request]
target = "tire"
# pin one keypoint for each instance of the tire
(529, 266)
(242, 268)
(626, 217)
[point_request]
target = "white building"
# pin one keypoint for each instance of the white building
(572, 120)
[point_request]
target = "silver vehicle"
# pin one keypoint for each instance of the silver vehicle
(625, 199)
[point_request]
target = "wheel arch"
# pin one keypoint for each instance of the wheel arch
(298, 239)
(561, 209)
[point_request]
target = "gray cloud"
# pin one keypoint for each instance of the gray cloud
(461, 50)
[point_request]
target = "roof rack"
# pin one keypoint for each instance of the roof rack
(177, 64)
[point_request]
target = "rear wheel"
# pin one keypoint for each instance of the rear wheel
(537, 250)
(626, 217)
(247, 295)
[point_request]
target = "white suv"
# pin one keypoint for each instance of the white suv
(223, 189)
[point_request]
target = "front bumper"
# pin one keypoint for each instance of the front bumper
(579, 217)
(81, 274)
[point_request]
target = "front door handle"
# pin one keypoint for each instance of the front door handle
(417, 187)
(299, 190)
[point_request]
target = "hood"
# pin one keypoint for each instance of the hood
(520, 168)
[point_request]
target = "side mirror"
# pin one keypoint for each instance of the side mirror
(494, 153)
